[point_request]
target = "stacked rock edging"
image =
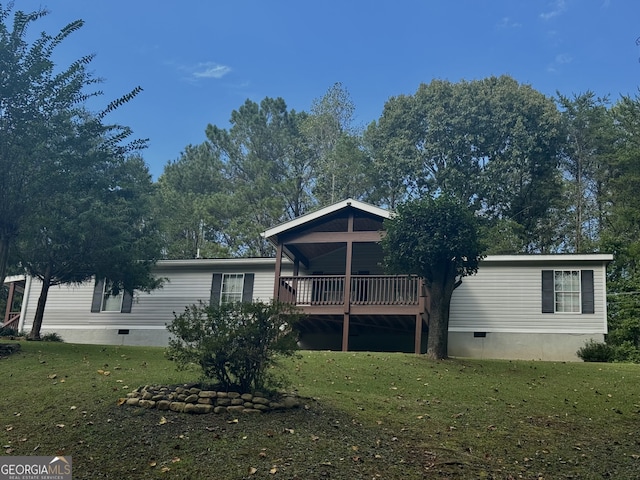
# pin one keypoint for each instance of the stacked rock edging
(191, 399)
(7, 349)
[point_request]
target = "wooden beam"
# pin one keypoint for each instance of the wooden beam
(333, 237)
(296, 254)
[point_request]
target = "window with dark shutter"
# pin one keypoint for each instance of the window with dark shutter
(231, 287)
(103, 301)
(548, 300)
(127, 302)
(247, 287)
(216, 288)
(96, 301)
(588, 303)
(560, 291)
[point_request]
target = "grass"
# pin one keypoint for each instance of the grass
(367, 415)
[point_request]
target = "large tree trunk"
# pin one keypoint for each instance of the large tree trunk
(438, 337)
(34, 334)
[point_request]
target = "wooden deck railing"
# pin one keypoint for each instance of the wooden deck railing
(13, 321)
(365, 290)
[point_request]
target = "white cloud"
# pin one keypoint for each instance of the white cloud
(506, 22)
(210, 70)
(561, 59)
(558, 7)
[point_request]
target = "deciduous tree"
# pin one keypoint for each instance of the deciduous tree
(493, 144)
(436, 239)
(72, 201)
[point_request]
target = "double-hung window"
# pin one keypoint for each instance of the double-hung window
(566, 287)
(111, 302)
(231, 287)
(104, 299)
(567, 291)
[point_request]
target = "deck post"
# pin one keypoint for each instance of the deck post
(7, 313)
(347, 287)
(345, 333)
(278, 273)
(418, 342)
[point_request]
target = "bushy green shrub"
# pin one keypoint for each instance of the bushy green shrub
(596, 352)
(235, 343)
(626, 352)
(51, 337)
(8, 332)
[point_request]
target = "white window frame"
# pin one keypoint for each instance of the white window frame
(231, 288)
(109, 301)
(567, 291)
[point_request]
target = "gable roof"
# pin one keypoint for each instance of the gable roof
(272, 233)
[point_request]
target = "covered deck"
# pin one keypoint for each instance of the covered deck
(338, 279)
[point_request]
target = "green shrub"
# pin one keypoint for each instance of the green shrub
(51, 337)
(627, 351)
(234, 344)
(596, 352)
(8, 332)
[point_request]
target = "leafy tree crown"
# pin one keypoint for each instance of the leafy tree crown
(428, 236)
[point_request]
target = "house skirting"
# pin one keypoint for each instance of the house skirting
(510, 346)
(114, 336)
(519, 346)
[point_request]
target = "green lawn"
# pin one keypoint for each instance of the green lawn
(367, 415)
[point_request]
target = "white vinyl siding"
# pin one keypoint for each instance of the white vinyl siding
(68, 307)
(506, 297)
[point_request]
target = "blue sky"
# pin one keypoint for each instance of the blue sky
(198, 60)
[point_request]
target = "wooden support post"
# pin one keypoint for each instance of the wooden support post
(347, 287)
(7, 313)
(278, 273)
(418, 342)
(345, 333)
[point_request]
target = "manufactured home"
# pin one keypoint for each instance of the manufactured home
(329, 264)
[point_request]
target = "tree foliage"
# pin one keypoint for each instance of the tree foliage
(234, 344)
(586, 164)
(73, 197)
(191, 205)
(267, 169)
(493, 144)
(436, 239)
(35, 102)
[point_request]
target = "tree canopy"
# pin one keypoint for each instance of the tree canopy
(74, 197)
(438, 240)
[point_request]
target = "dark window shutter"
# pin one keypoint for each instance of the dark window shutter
(587, 291)
(127, 302)
(216, 288)
(96, 301)
(548, 302)
(247, 288)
